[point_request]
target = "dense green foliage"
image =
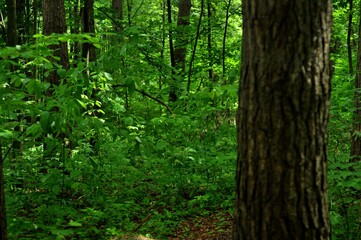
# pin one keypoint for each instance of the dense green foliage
(97, 157)
(118, 162)
(344, 176)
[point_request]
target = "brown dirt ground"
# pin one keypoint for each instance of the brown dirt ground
(217, 226)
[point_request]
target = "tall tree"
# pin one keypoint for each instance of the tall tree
(224, 42)
(180, 48)
(282, 121)
(75, 13)
(118, 15)
(88, 50)
(356, 133)
(54, 22)
(172, 86)
(349, 33)
(12, 36)
(195, 47)
(209, 39)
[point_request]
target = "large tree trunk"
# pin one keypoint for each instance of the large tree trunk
(282, 121)
(54, 22)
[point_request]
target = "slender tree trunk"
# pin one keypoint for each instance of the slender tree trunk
(282, 121)
(12, 36)
(349, 34)
(224, 43)
(195, 47)
(172, 86)
(75, 13)
(164, 13)
(356, 133)
(88, 51)
(209, 40)
(129, 10)
(35, 16)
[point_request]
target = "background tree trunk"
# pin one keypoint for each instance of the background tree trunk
(54, 22)
(172, 86)
(224, 43)
(180, 48)
(349, 34)
(195, 47)
(88, 51)
(209, 39)
(282, 121)
(12, 36)
(118, 15)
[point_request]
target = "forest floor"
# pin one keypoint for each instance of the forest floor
(217, 226)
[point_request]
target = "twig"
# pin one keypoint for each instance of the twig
(146, 219)
(147, 95)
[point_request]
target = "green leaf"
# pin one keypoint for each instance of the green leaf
(34, 130)
(128, 120)
(160, 144)
(82, 104)
(75, 224)
(108, 76)
(44, 120)
(6, 134)
(62, 73)
(138, 139)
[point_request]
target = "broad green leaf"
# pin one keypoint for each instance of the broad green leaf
(6, 133)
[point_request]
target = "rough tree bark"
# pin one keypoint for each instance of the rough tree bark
(282, 121)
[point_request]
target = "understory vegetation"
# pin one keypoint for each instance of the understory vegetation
(106, 155)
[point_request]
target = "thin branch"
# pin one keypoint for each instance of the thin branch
(147, 95)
